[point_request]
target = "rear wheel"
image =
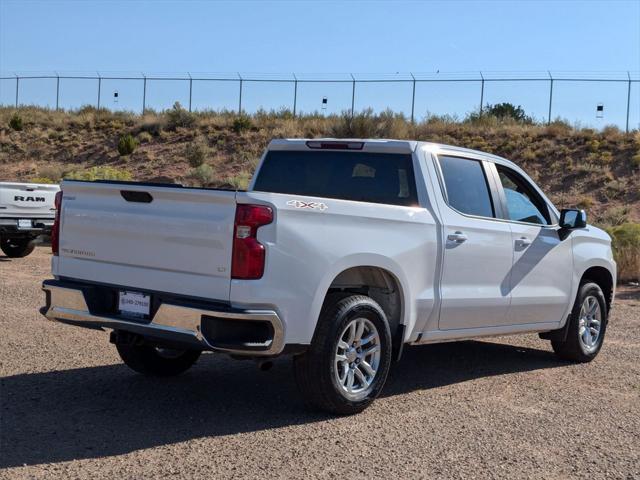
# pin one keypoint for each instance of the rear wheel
(348, 360)
(157, 361)
(588, 323)
(17, 247)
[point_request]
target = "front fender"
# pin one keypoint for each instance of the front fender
(591, 248)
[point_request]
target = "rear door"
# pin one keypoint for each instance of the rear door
(157, 238)
(477, 255)
(540, 282)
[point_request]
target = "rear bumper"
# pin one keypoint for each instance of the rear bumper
(241, 332)
(39, 226)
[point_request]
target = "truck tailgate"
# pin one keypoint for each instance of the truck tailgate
(27, 200)
(148, 237)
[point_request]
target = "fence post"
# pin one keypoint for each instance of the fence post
(353, 93)
(144, 93)
(550, 96)
(295, 94)
(190, 89)
(413, 97)
(17, 89)
(240, 96)
(57, 91)
(628, 100)
(481, 93)
(99, 85)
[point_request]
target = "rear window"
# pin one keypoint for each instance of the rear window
(359, 176)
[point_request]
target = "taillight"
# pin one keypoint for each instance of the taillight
(55, 230)
(248, 254)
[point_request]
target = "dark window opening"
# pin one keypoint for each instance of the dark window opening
(466, 185)
(359, 176)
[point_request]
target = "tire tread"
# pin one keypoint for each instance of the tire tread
(314, 383)
(570, 348)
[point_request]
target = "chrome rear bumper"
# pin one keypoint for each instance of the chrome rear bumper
(67, 303)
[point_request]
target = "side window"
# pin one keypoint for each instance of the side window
(523, 203)
(466, 184)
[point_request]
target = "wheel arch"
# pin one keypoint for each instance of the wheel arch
(604, 279)
(375, 276)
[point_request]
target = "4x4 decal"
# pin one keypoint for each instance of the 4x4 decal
(313, 205)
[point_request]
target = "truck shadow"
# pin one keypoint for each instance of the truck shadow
(107, 410)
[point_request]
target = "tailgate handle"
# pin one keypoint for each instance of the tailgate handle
(135, 196)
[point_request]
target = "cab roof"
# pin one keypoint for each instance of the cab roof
(380, 146)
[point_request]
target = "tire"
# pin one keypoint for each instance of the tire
(322, 379)
(575, 348)
(17, 247)
(157, 362)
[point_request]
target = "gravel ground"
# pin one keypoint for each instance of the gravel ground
(503, 408)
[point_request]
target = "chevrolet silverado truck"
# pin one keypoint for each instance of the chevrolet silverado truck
(339, 254)
(26, 213)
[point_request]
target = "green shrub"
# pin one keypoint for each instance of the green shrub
(52, 173)
(593, 145)
(240, 181)
(152, 125)
(625, 240)
(15, 122)
(179, 117)
(500, 113)
(508, 110)
(635, 160)
(100, 173)
(585, 203)
(196, 153)
(144, 137)
(127, 144)
(241, 123)
(55, 135)
(202, 174)
(614, 216)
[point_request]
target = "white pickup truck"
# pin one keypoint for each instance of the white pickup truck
(340, 253)
(26, 212)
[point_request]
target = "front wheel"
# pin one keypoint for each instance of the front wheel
(156, 361)
(17, 247)
(347, 363)
(588, 323)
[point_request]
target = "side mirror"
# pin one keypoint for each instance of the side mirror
(571, 218)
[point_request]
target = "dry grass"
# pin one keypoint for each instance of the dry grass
(626, 247)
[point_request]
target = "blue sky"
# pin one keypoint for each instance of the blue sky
(325, 37)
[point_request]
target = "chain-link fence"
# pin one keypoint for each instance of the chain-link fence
(606, 98)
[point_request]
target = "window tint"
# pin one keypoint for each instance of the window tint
(467, 189)
(360, 176)
(523, 203)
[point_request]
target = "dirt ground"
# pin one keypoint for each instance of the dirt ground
(500, 408)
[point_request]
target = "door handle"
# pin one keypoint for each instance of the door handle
(456, 237)
(523, 242)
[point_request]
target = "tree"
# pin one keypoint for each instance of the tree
(508, 110)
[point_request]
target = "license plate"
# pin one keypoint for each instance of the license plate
(24, 223)
(134, 304)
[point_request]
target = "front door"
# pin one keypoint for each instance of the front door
(540, 280)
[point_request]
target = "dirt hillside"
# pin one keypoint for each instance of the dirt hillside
(598, 171)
